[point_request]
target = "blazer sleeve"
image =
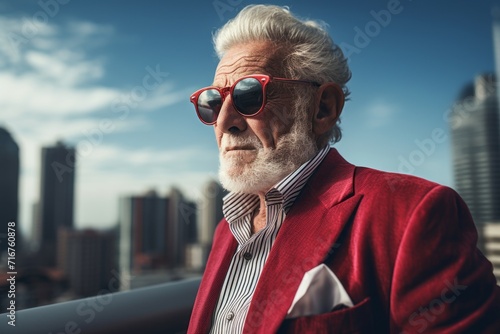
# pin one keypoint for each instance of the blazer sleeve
(441, 281)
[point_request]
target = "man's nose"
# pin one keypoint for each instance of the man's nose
(229, 119)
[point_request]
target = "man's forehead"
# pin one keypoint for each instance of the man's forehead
(245, 59)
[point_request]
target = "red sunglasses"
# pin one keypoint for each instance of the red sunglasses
(248, 95)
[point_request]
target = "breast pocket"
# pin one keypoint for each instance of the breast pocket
(355, 319)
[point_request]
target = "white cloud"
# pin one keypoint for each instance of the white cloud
(163, 96)
(51, 90)
(31, 94)
(86, 29)
(379, 114)
(17, 33)
(64, 67)
(44, 74)
(44, 43)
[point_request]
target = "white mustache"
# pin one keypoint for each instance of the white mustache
(229, 141)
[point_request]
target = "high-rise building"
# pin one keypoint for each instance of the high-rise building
(180, 218)
(476, 148)
(489, 229)
(88, 259)
(9, 185)
(56, 199)
(143, 233)
(210, 214)
(154, 232)
(189, 212)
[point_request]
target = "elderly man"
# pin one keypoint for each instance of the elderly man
(311, 243)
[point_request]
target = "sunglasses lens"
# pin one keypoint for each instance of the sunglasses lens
(209, 104)
(248, 96)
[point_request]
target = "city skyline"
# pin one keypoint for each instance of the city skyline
(159, 238)
(71, 76)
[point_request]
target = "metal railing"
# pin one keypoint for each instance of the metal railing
(163, 308)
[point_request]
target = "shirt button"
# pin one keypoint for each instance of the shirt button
(247, 256)
(230, 316)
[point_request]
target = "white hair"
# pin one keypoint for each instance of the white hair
(312, 54)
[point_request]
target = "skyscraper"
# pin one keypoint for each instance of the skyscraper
(87, 257)
(154, 232)
(56, 198)
(9, 185)
(489, 232)
(143, 233)
(476, 148)
(179, 219)
(189, 212)
(210, 214)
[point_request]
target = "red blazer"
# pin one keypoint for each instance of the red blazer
(403, 248)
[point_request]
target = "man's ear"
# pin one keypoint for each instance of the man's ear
(328, 107)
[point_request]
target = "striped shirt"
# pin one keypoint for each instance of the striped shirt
(251, 254)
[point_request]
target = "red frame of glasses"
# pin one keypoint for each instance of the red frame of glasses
(262, 78)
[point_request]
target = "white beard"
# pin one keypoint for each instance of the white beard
(270, 165)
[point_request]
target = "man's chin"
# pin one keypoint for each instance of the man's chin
(242, 180)
(242, 185)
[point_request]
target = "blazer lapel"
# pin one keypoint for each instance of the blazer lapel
(307, 236)
(213, 278)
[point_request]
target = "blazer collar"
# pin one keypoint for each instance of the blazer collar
(307, 237)
(333, 181)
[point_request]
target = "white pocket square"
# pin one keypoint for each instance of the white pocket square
(319, 292)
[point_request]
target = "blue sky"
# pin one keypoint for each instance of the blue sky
(81, 71)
